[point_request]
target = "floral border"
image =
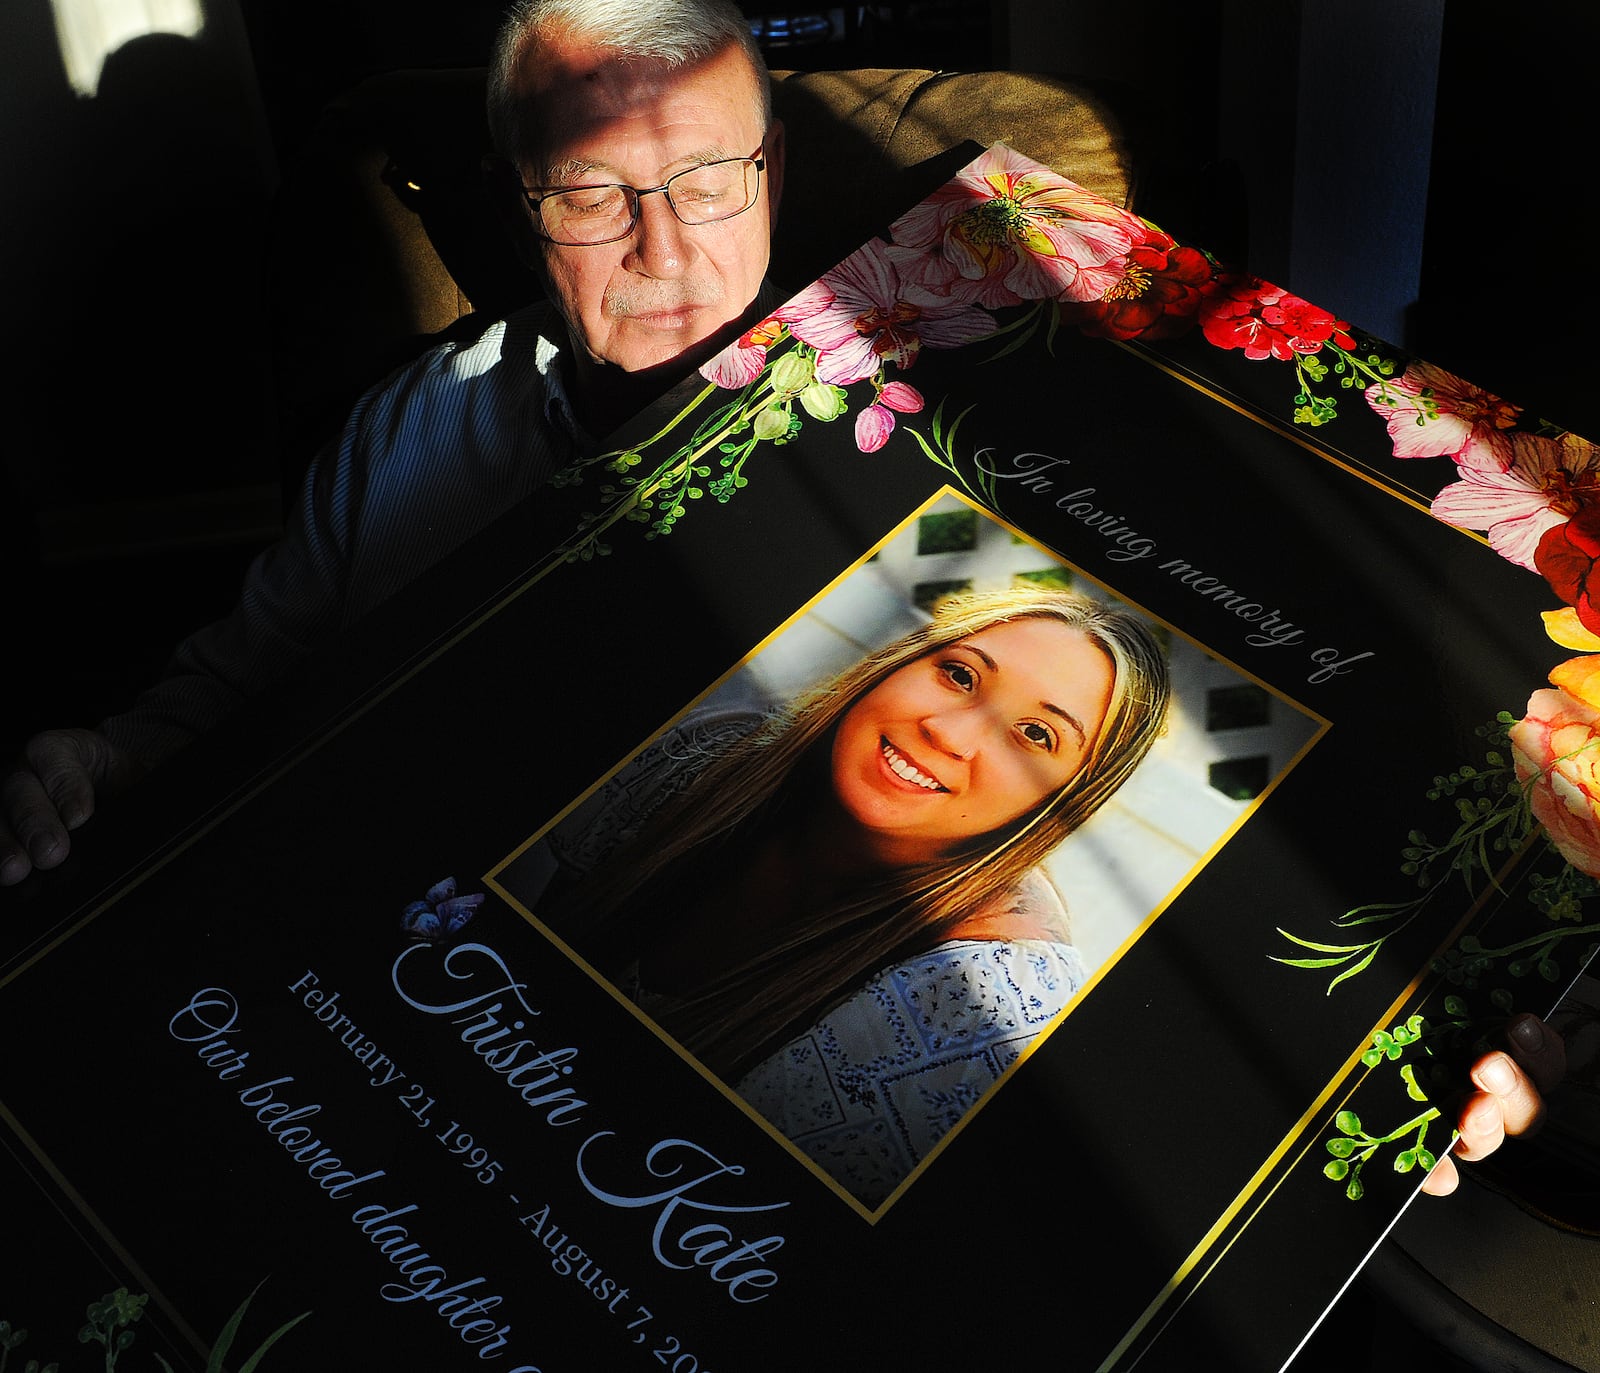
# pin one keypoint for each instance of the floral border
(1008, 253)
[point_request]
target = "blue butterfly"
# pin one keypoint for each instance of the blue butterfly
(441, 913)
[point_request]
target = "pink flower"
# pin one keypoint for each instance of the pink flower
(740, 363)
(1544, 483)
(876, 422)
(859, 316)
(1007, 229)
(1267, 321)
(1556, 751)
(873, 427)
(1433, 414)
(898, 396)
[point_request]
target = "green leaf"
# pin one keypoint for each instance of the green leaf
(1019, 341)
(1355, 1191)
(1405, 1161)
(1336, 1169)
(1348, 1122)
(1374, 913)
(249, 1365)
(1358, 968)
(928, 450)
(224, 1342)
(1319, 948)
(1341, 1147)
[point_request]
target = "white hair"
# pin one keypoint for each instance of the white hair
(676, 32)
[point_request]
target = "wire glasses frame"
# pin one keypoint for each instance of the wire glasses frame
(588, 216)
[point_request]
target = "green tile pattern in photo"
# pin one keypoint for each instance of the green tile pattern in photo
(949, 531)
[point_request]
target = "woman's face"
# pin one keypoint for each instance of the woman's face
(969, 737)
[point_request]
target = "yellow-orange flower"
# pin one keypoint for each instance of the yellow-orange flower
(1556, 751)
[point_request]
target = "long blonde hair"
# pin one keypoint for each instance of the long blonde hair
(818, 960)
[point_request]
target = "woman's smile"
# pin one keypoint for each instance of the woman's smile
(907, 771)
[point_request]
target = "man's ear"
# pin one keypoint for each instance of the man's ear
(774, 148)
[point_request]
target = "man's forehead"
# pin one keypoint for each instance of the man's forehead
(597, 164)
(594, 108)
(558, 77)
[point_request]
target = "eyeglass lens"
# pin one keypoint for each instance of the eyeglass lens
(700, 195)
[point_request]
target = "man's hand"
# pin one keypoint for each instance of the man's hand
(50, 791)
(1509, 1098)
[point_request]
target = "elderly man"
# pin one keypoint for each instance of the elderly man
(651, 169)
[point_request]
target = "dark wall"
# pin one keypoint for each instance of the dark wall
(1508, 296)
(135, 374)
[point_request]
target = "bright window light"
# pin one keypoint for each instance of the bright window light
(89, 31)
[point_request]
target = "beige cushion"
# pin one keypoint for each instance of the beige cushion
(866, 144)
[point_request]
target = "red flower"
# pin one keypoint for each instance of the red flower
(1566, 556)
(1266, 321)
(1157, 296)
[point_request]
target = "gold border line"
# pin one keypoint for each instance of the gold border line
(1404, 494)
(1494, 888)
(184, 1329)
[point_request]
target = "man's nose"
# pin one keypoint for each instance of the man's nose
(658, 239)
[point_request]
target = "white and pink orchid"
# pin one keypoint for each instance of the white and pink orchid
(1431, 414)
(860, 316)
(1543, 483)
(742, 361)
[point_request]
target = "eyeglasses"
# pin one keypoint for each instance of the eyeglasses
(587, 216)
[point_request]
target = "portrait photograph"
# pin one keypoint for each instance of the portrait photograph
(870, 869)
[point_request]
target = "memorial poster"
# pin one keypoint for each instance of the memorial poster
(747, 910)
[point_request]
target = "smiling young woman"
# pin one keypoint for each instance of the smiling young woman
(899, 811)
